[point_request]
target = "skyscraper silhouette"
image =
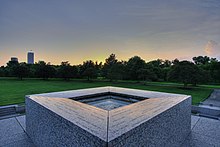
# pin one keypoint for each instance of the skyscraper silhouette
(30, 57)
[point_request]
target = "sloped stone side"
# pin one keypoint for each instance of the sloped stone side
(46, 128)
(168, 129)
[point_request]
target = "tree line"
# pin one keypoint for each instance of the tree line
(203, 69)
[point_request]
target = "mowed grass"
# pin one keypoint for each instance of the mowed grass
(13, 91)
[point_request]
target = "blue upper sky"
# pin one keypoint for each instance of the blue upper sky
(77, 30)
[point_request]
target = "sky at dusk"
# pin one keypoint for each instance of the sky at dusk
(79, 30)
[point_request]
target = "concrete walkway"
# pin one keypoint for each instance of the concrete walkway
(205, 133)
(213, 99)
(12, 133)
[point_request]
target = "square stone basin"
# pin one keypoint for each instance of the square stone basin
(108, 116)
(109, 101)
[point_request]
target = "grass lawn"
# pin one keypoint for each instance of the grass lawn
(12, 91)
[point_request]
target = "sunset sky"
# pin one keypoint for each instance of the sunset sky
(78, 30)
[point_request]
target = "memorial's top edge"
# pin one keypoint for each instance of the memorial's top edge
(110, 89)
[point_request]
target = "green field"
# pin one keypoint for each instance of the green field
(12, 91)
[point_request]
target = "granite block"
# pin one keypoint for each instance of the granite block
(169, 128)
(49, 129)
(56, 119)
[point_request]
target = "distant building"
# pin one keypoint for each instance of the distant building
(30, 57)
(14, 59)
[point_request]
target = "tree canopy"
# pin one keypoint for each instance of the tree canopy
(203, 69)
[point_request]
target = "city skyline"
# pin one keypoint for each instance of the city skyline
(32, 59)
(77, 31)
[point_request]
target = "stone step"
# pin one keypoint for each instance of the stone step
(9, 116)
(210, 116)
(7, 113)
(206, 111)
(4, 111)
(7, 110)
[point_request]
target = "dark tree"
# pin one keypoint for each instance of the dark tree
(215, 71)
(88, 70)
(201, 60)
(2, 71)
(10, 68)
(201, 76)
(210, 70)
(44, 70)
(185, 72)
(175, 61)
(146, 74)
(21, 71)
(12, 63)
(167, 63)
(111, 60)
(156, 63)
(110, 67)
(116, 71)
(98, 67)
(133, 66)
(66, 71)
(160, 69)
(157, 67)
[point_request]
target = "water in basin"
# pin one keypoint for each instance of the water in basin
(108, 101)
(109, 104)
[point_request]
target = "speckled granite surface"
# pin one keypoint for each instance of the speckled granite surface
(13, 133)
(55, 119)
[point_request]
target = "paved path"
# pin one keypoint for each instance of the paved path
(213, 99)
(205, 133)
(12, 133)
